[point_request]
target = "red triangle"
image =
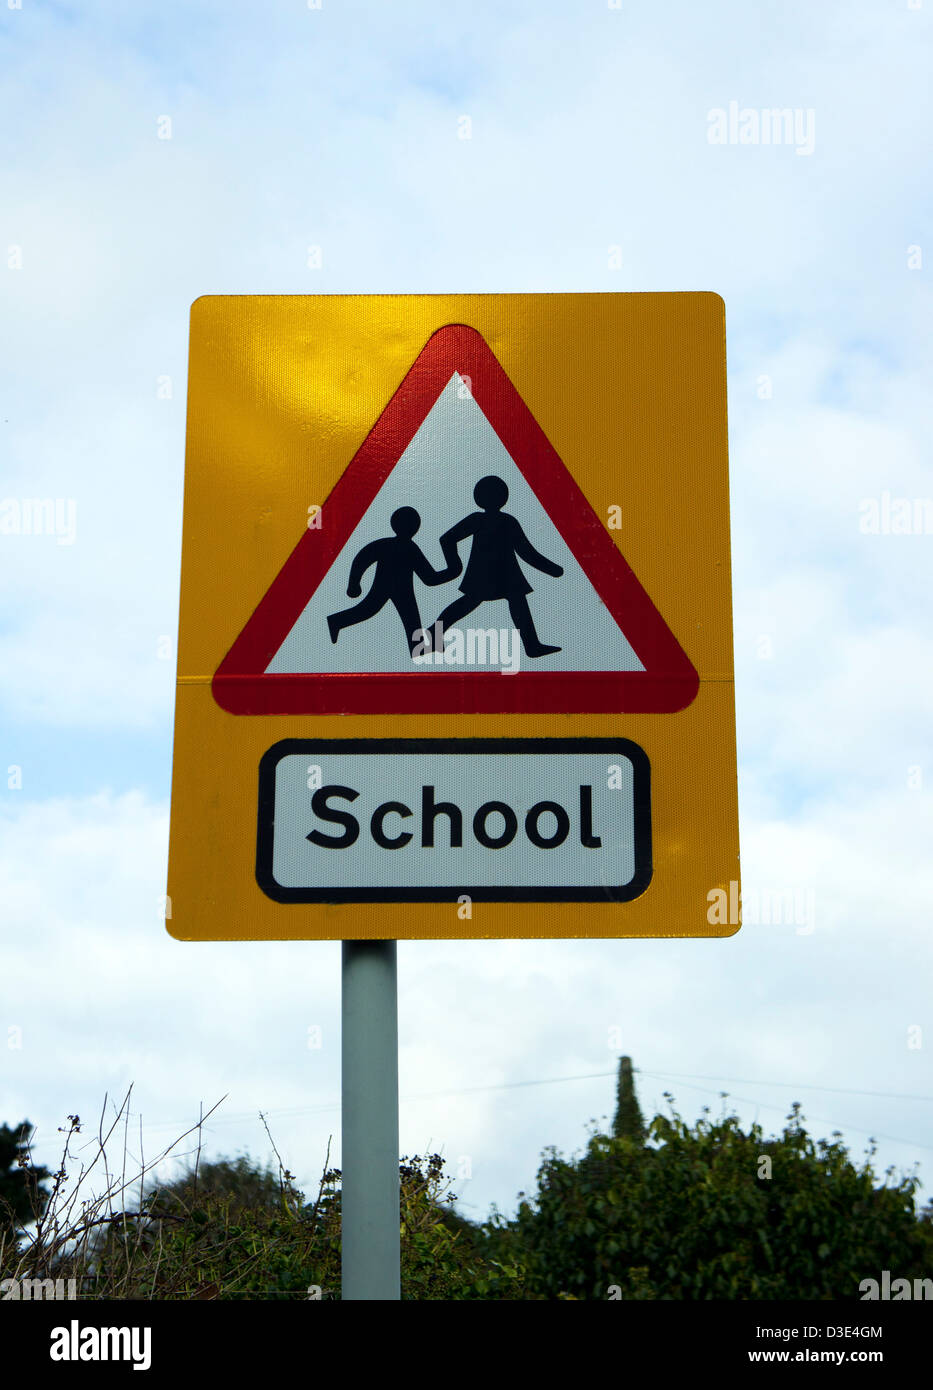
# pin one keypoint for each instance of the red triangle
(668, 683)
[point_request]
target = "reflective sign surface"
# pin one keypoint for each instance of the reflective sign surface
(435, 521)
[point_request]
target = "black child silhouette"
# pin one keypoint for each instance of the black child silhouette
(493, 571)
(397, 559)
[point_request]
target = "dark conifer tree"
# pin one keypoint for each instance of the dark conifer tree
(628, 1122)
(22, 1193)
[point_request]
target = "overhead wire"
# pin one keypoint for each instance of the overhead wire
(684, 1077)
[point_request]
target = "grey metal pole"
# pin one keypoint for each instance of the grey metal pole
(369, 1159)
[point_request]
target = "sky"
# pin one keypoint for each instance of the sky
(158, 152)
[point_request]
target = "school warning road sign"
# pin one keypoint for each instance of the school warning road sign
(455, 460)
(455, 648)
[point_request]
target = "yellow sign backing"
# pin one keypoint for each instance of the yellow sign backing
(455, 641)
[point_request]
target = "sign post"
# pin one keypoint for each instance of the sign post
(369, 1188)
(489, 535)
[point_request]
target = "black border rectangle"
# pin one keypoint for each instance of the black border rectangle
(621, 747)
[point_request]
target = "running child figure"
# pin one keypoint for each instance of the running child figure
(397, 559)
